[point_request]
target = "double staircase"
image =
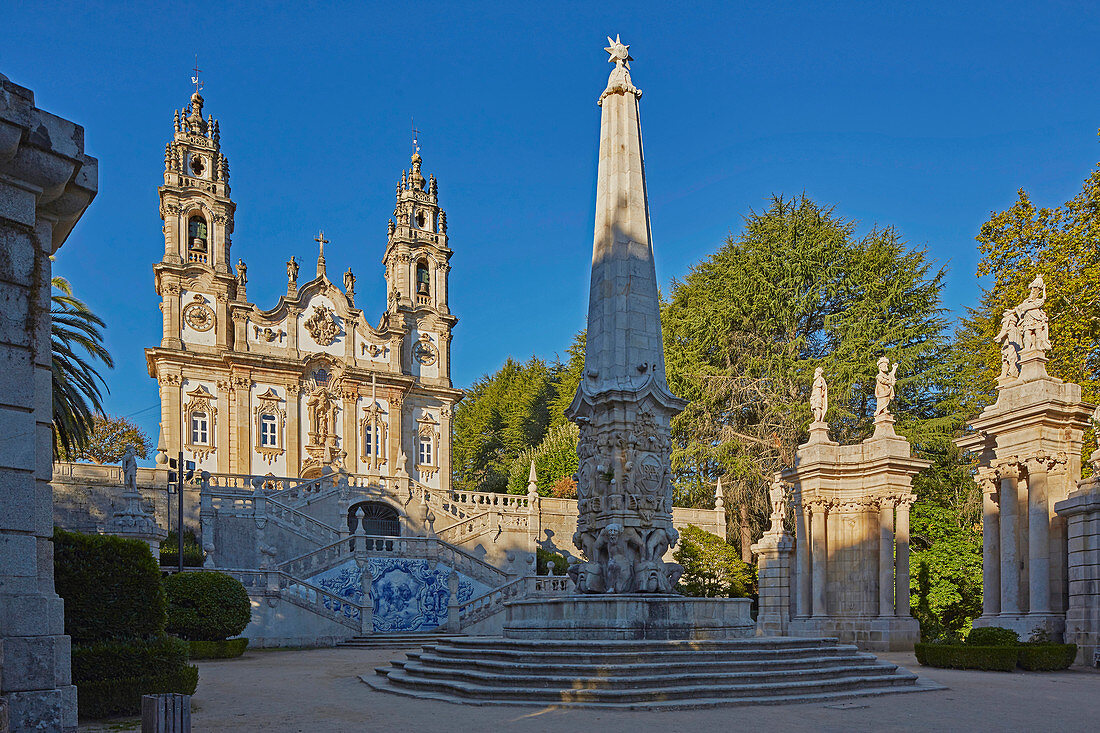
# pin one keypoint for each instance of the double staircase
(661, 675)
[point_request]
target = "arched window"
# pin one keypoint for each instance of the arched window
(379, 519)
(269, 431)
(425, 448)
(423, 278)
(421, 220)
(200, 431)
(196, 234)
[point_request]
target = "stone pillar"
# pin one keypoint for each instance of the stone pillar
(991, 544)
(293, 431)
(818, 527)
(886, 558)
(170, 312)
(242, 449)
(802, 559)
(46, 183)
(901, 558)
(1009, 474)
(397, 436)
(349, 410)
(773, 563)
(444, 448)
(223, 427)
(1081, 510)
(1038, 535)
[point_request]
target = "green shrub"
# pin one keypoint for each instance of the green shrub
(226, 649)
(206, 606)
(111, 587)
(122, 659)
(1047, 657)
(712, 567)
(966, 656)
(992, 636)
(123, 696)
(542, 557)
(193, 555)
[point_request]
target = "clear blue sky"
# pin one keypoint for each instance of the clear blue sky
(923, 116)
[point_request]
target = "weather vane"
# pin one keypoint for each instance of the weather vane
(195, 79)
(416, 135)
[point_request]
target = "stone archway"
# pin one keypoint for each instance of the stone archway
(380, 519)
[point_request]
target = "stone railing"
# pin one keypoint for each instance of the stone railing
(531, 586)
(467, 529)
(245, 505)
(425, 548)
(277, 584)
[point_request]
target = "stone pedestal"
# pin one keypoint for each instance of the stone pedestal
(133, 522)
(773, 573)
(852, 540)
(46, 182)
(1081, 512)
(1028, 445)
(629, 616)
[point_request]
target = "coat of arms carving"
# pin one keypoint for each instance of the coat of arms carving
(323, 325)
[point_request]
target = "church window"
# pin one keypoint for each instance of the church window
(268, 431)
(200, 434)
(425, 450)
(421, 220)
(196, 234)
(372, 441)
(423, 278)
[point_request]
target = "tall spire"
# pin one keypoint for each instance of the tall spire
(623, 405)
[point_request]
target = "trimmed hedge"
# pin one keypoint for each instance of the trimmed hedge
(122, 659)
(966, 656)
(226, 649)
(1047, 657)
(193, 555)
(992, 636)
(109, 697)
(111, 587)
(206, 606)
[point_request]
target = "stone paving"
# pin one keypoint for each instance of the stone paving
(318, 690)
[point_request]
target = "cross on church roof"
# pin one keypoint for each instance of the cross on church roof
(320, 239)
(195, 79)
(416, 136)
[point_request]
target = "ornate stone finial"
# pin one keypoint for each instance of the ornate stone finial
(321, 241)
(719, 496)
(532, 482)
(619, 81)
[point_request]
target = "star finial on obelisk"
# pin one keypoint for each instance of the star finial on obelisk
(620, 52)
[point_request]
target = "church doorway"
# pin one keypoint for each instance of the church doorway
(379, 519)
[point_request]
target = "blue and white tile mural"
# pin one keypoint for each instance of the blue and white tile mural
(408, 595)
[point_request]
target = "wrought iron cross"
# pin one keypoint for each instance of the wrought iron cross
(195, 79)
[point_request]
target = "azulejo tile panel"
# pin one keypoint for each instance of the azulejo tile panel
(407, 594)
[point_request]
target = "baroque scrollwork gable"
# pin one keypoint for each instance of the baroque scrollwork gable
(270, 403)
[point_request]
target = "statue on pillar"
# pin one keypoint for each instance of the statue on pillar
(884, 386)
(819, 396)
(1009, 339)
(292, 270)
(778, 496)
(129, 469)
(1033, 319)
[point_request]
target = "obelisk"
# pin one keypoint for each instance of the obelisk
(623, 405)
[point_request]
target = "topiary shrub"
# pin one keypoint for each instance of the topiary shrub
(111, 587)
(115, 612)
(992, 636)
(206, 606)
(225, 649)
(712, 567)
(1047, 657)
(966, 656)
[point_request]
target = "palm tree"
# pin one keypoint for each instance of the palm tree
(76, 342)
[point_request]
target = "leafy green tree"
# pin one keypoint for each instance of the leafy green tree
(798, 289)
(947, 585)
(712, 568)
(555, 458)
(77, 343)
(502, 415)
(108, 440)
(1063, 245)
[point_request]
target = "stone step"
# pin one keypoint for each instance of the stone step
(634, 654)
(749, 643)
(759, 691)
(641, 664)
(393, 641)
(621, 678)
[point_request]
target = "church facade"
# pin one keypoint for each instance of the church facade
(308, 385)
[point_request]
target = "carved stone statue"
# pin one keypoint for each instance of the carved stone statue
(349, 282)
(616, 558)
(1033, 319)
(129, 469)
(819, 396)
(778, 497)
(292, 270)
(1009, 339)
(884, 386)
(242, 273)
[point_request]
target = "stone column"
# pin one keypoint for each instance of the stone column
(991, 544)
(886, 557)
(348, 442)
(802, 559)
(242, 451)
(444, 459)
(773, 563)
(397, 435)
(1038, 534)
(223, 427)
(818, 526)
(293, 431)
(46, 183)
(170, 310)
(901, 558)
(1009, 474)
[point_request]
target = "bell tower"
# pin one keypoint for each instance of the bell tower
(417, 266)
(198, 220)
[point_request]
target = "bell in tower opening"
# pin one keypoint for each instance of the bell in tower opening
(423, 279)
(196, 233)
